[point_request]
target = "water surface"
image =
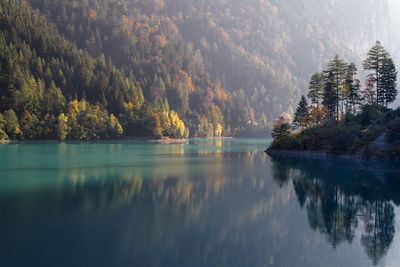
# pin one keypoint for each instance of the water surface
(202, 203)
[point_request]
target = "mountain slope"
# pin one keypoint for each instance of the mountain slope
(227, 67)
(51, 90)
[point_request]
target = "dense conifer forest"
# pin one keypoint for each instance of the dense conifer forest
(105, 69)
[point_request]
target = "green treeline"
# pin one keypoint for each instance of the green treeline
(224, 67)
(49, 89)
(149, 47)
(342, 116)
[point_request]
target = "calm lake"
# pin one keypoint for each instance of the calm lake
(203, 203)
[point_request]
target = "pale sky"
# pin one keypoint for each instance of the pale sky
(395, 10)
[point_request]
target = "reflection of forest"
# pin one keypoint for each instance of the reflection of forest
(340, 198)
(204, 209)
(197, 210)
(170, 182)
(161, 213)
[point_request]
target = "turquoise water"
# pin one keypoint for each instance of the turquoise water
(202, 203)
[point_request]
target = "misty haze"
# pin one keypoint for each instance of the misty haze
(199, 133)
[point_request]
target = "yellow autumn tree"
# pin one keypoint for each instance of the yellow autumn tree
(72, 108)
(218, 130)
(114, 127)
(165, 120)
(171, 125)
(177, 124)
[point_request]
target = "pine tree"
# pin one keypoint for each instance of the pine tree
(316, 88)
(387, 82)
(338, 69)
(302, 114)
(330, 96)
(352, 87)
(354, 95)
(376, 56)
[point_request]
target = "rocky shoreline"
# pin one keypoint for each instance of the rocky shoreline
(378, 150)
(322, 155)
(310, 154)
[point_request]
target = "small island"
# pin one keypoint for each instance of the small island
(343, 119)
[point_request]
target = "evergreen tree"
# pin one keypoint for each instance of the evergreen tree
(281, 128)
(354, 95)
(316, 88)
(376, 55)
(3, 135)
(387, 82)
(302, 114)
(12, 125)
(352, 87)
(330, 96)
(338, 69)
(62, 127)
(30, 126)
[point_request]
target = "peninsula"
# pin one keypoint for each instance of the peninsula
(345, 120)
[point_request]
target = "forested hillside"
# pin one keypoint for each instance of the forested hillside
(51, 90)
(270, 48)
(223, 67)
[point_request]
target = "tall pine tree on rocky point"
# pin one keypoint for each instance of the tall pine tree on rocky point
(302, 114)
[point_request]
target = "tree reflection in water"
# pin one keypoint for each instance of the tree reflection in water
(340, 197)
(205, 203)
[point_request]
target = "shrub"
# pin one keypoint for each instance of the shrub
(393, 131)
(369, 113)
(344, 140)
(371, 133)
